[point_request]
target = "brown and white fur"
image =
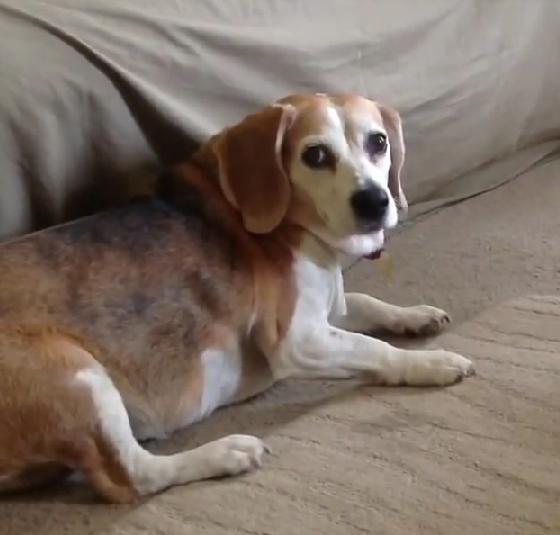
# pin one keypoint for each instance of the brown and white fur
(133, 323)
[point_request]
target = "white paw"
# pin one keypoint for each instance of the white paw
(436, 368)
(421, 320)
(235, 454)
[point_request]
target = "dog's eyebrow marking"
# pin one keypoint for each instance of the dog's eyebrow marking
(335, 129)
(334, 118)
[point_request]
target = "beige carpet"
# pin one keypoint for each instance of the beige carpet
(482, 457)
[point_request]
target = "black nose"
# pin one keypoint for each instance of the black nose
(370, 204)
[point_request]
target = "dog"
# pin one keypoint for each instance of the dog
(133, 323)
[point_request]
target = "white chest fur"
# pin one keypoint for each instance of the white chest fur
(320, 283)
(320, 299)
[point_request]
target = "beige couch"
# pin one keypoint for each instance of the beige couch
(92, 93)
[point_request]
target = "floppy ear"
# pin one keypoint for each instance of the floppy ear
(252, 174)
(393, 125)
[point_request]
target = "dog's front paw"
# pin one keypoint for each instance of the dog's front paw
(422, 320)
(235, 454)
(436, 368)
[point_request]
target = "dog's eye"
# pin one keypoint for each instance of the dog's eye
(376, 144)
(318, 157)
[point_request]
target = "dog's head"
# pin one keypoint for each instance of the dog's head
(331, 164)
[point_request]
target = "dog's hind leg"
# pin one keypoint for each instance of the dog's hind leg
(118, 458)
(60, 410)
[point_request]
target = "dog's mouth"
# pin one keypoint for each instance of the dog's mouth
(375, 255)
(368, 245)
(374, 231)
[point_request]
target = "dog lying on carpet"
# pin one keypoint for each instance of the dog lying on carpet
(136, 322)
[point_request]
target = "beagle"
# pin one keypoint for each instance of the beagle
(136, 322)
